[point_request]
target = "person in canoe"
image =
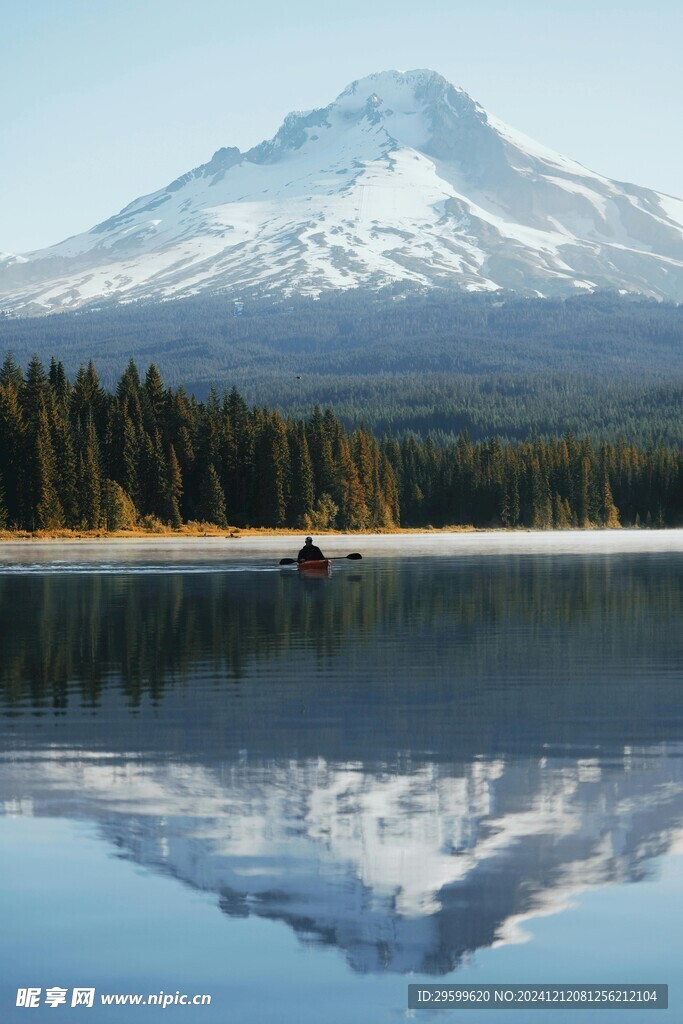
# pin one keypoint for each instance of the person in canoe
(310, 553)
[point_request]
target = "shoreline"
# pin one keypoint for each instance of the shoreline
(215, 533)
(261, 545)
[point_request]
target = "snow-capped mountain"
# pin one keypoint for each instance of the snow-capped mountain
(403, 178)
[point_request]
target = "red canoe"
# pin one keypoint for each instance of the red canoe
(319, 567)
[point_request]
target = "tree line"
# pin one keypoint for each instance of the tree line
(73, 455)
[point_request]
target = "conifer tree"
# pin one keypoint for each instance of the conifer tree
(323, 516)
(58, 382)
(87, 400)
(411, 495)
(129, 400)
(174, 489)
(238, 457)
(494, 476)
(273, 470)
(125, 461)
(429, 475)
(34, 395)
(321, 434)
(156, 400)
(301, 473)
(212, 505)
(465, 478)
(562, 517)
(541, 500)
(379, 513)
(182, 434)
(391, 449)
(390, 498)
(47, 509)
(362, 456)
(510, 501)
(10, 373)
(89, 480)
(119, 511)
(66, 465)
(609, 514)
(584, 503)
(353, 511)
(129, 384)
(210, 438)
(154, 478)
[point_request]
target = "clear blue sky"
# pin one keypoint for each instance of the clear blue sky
(105, 100)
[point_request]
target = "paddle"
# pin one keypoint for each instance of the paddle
(354, 556)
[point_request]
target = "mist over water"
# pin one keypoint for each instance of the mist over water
(421, 767)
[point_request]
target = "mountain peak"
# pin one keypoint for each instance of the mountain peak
(394, 81)
(417, 93)
(396, 100)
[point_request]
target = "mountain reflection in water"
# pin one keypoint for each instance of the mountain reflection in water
(405, 765)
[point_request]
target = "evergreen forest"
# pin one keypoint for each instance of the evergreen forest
(75, 455)
(434, 363)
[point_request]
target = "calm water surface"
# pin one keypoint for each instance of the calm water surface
(300, 795)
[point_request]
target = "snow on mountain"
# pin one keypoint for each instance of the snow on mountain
(403, 178)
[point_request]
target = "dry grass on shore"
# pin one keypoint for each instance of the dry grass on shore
(203, 530)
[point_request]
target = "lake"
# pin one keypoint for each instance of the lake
(457, 760)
